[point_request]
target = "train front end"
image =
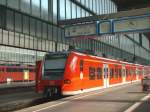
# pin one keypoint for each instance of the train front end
(50, 72)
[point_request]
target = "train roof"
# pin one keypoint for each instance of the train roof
(107, 59)
(92, 55)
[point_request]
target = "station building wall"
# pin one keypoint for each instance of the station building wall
(32, 25)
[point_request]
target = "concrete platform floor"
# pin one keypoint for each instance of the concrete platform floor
(144, 107)
(115, 99)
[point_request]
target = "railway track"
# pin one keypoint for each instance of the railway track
(18, 98)
(23, 99)
(11, 90)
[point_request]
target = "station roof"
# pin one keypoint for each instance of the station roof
(125, 8)
(131, 4)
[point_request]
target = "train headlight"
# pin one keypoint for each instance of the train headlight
(67, 81)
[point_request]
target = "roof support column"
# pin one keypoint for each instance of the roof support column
(140, 39)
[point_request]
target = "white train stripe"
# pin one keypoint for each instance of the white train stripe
(93, 89)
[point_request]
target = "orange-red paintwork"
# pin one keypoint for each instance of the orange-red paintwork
(15, 76)
(72, 72)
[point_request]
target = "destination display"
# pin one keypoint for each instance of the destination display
(105, 27)
(80, 30)
(132, 24)
(112, 26)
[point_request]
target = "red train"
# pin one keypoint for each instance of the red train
(16, 73)
(69, 73)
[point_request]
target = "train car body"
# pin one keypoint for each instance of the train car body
(16, 73)
(73, 73)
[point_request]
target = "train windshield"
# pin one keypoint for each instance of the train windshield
(54, 66)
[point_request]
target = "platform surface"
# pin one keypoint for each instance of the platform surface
(144, 107)
(115, 99)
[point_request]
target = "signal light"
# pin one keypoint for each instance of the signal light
(67, 81)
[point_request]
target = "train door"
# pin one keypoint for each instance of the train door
(143, 72)
(123, 73)
(137, 73)
(105, 74)
(82, 74)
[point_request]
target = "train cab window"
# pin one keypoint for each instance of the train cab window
(81, 65)
(54, 66)
(99, 73)
(92, 73)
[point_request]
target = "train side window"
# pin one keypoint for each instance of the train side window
(8, 69)
(99, 73)
(92, 73)
(127, 72)
(111, 72)
(12, 69)
(81, 65)
(119, 72)
(133, 71)
(0, 69)
(32, 70)
(3, 69)
(123, 72)
(116, 73)
(137, 72)
(20, 69)
(130, 71)
(15, 70)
